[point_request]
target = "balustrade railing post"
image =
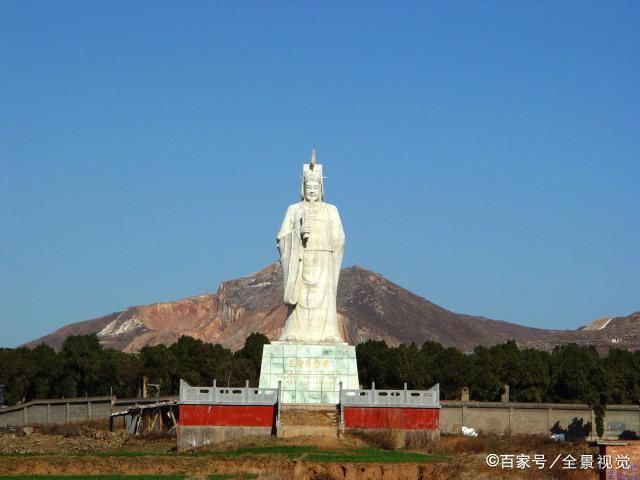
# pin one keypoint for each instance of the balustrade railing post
(341, 398)
(279, 400)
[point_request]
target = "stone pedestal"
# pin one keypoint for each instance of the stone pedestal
(309, 372)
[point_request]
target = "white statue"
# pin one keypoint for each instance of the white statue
(311, 245)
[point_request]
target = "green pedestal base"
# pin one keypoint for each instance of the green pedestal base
(310, 373)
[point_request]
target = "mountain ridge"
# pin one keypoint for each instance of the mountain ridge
(369, 307)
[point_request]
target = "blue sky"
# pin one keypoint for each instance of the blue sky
(484, 155)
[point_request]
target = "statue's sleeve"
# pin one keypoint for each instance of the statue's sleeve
(290, 248)
(338, 247)
(287, 223)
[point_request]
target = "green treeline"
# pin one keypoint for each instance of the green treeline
(84, 368)
(571, 373)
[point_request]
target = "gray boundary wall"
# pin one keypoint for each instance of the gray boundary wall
(533, 418)
(56, 411)
(67, 410)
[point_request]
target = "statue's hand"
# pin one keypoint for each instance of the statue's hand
(305, 231)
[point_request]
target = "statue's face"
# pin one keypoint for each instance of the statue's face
(311, 191)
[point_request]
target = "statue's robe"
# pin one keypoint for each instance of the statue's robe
(311, 269)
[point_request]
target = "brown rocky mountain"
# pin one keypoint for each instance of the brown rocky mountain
(605, 333)
(369, 307)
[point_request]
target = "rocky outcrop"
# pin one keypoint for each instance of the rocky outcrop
(603, 334)
(240, 307)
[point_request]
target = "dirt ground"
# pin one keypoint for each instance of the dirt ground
(92, 450)
(88, 440)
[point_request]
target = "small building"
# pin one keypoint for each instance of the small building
(619, 460)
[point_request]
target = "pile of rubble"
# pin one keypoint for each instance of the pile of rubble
(26, 440)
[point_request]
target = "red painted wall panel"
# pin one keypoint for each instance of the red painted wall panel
(227, 415)
(392, 417)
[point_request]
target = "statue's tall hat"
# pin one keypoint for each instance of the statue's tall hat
(312, 171)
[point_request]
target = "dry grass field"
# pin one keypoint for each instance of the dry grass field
(91, 451)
